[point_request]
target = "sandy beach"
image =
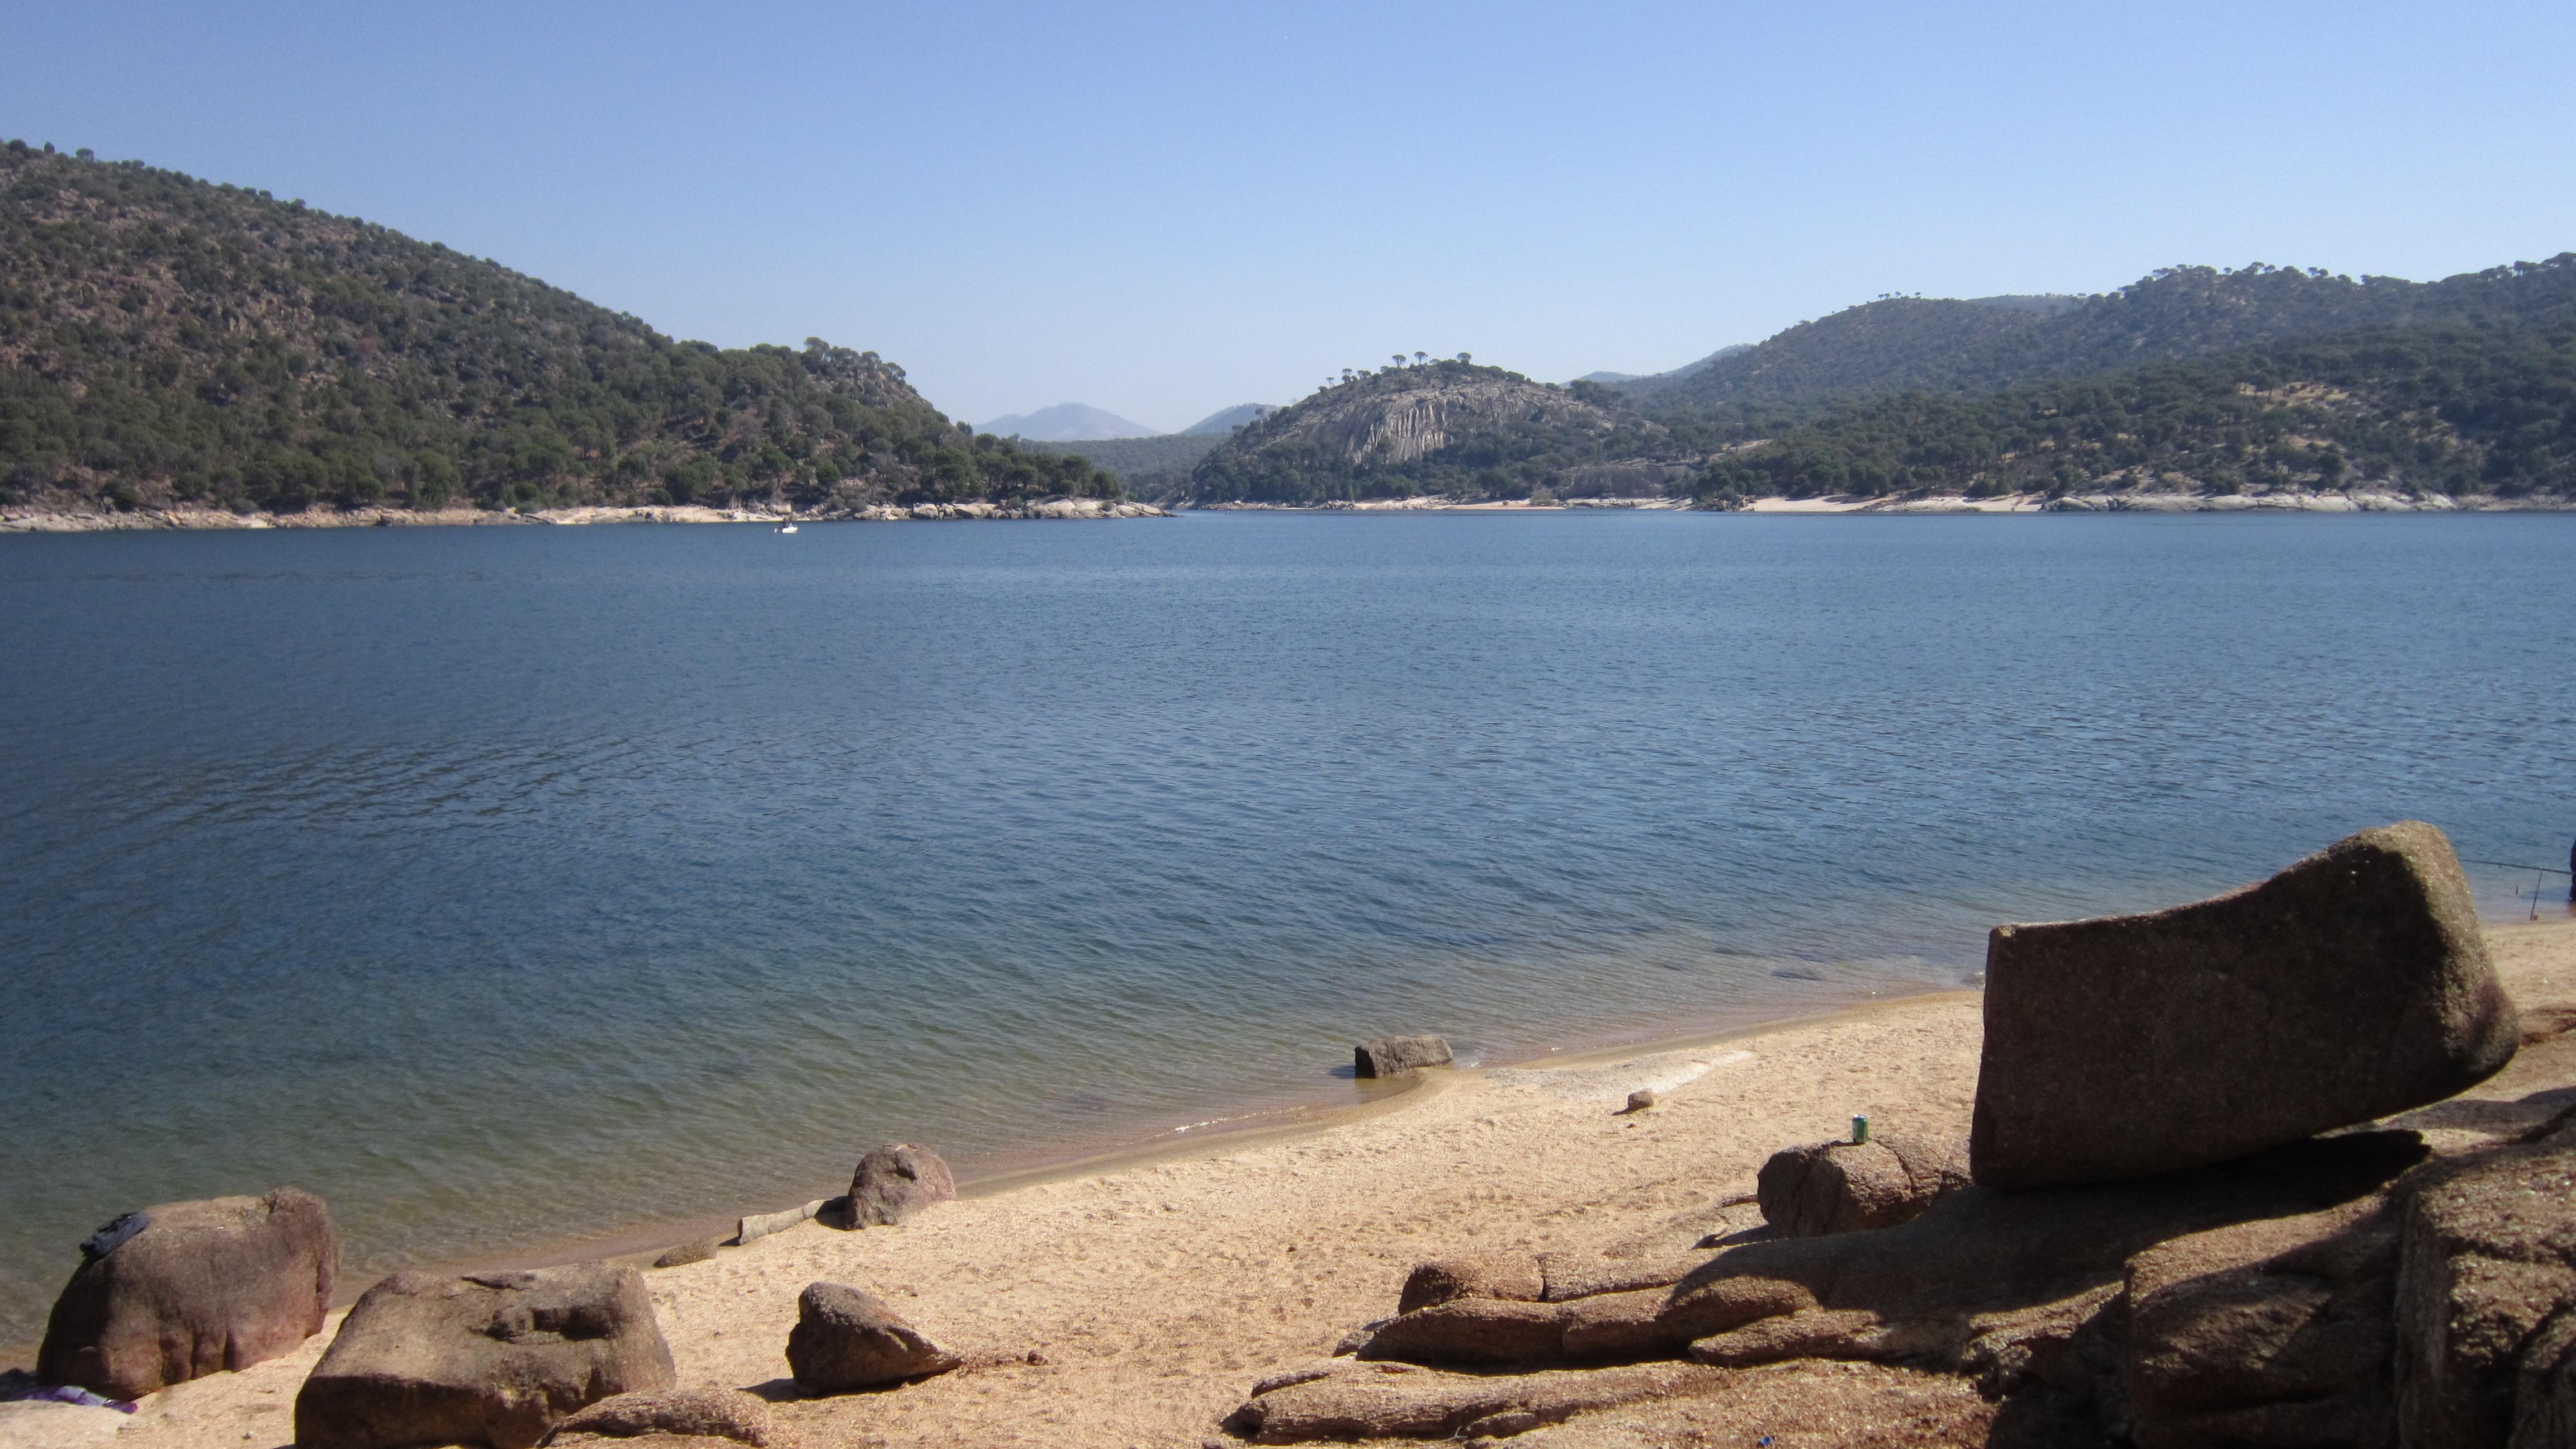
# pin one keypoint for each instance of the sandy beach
(1136, 1302)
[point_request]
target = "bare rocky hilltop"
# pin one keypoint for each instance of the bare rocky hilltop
(1448, 428)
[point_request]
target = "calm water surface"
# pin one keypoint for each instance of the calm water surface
(508, 885)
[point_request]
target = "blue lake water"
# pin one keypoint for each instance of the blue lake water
(511, 885)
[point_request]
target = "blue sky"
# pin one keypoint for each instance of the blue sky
(1165, 209)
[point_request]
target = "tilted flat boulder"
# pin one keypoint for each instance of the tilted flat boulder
(188, 1288)
(1842, 1187)
(896, 1181)
(2352, 985)
(1386, 1056)
(847, 1339)
(491, 1358)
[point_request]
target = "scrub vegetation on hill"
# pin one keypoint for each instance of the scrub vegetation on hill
(1913, 344)
(168, 341)
(2447, 410)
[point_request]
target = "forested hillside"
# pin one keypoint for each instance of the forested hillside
(165, 340)
(1904, 344)
(2449, 408)
(1152, 467)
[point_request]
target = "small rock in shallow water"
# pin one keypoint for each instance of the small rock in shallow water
(1387, 1055)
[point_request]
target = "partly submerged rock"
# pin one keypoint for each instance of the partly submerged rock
(896, 1181)
(1386, 1056)
(848, 1339)
(492, 1358)
(1841, 1187)
(189, 1288)
(685, 1413)
(2352, 985)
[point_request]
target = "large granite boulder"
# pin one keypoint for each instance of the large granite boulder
(2350, 986)
(187, 1288)
(491, 1358)
(1842, 1187)
(896, 1181)
(1386, 1056)
(847, 1339)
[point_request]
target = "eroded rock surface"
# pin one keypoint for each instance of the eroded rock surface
(203, 1286)
(2352, 985)
(685, 1413)
(491, 1358)
(2486, 1297)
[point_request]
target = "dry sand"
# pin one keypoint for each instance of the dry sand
(1157, 1291)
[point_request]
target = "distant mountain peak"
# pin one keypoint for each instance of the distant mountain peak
(1068, 423)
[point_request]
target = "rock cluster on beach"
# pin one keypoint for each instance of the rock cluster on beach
(2157, 1248)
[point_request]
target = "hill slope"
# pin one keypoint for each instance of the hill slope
(1444, 427)
(2450, 409)
(1912, 344)
(165, 340)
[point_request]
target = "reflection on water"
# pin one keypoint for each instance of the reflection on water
(513, 884)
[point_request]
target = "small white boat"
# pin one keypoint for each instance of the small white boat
(786, 528)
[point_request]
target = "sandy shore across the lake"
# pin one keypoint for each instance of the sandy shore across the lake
(1156, 1289)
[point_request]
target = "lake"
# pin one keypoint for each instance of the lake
(511, 886)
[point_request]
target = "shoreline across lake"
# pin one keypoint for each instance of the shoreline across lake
(25, 520)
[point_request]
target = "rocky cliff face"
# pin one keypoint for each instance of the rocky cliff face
(1445, 427)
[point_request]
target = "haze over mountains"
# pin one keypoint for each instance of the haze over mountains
(1080, 423)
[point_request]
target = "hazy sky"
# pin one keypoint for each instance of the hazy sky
(1165, 209)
